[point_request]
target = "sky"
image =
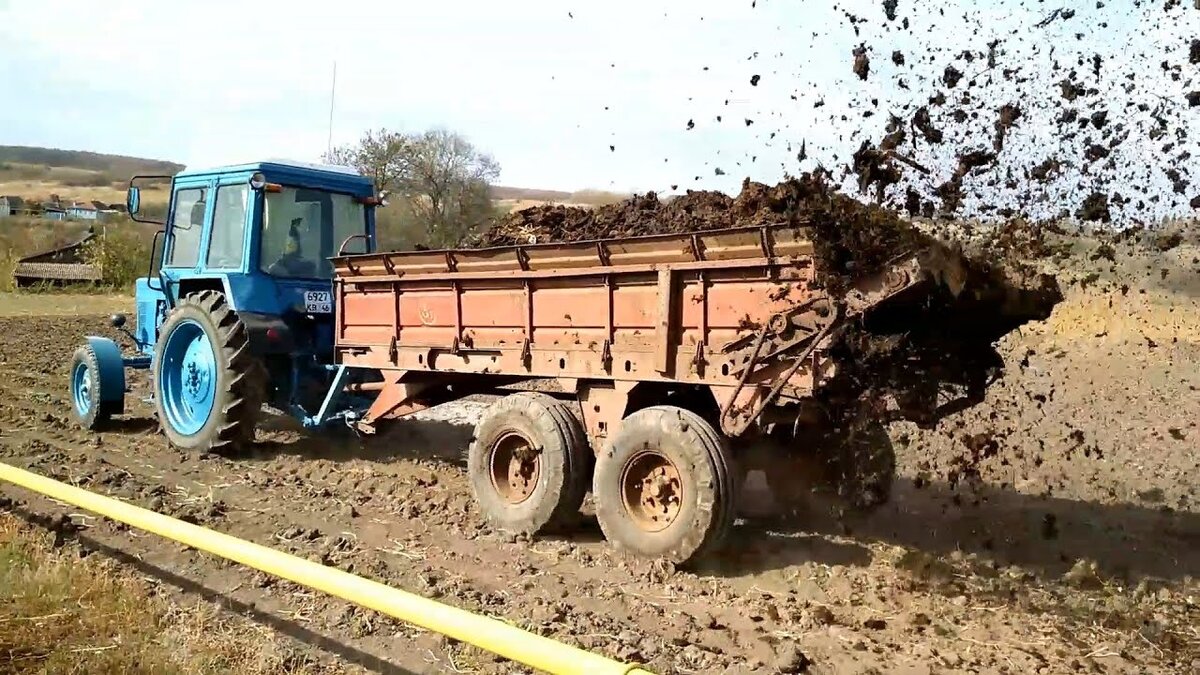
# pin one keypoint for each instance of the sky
(565, 95)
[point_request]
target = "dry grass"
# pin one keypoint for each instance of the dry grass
(61, 614)
(63, 304)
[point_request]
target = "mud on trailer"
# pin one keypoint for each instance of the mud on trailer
(670, 355)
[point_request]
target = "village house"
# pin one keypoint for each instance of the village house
(81, 212)
(11, 206)
(52, 211)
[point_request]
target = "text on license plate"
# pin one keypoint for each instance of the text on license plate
(318, 302)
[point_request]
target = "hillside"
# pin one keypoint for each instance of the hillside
(37, 174)
(77, 175)
(501, 192)
(118, 165)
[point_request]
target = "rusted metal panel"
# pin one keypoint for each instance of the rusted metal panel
(602, 405)
(735, 310)
(665, 336)
(721, 245)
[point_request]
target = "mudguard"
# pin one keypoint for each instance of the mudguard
(112, 372)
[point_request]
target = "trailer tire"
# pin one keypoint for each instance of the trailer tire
(664, 450)
(529, 464)
(218, 405)
(581, 457)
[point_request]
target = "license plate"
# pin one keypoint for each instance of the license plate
(318, 302)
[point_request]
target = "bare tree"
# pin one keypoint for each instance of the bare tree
(444, 180)
(450, 185)
(381, 154)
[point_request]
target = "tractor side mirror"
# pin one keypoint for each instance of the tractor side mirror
(117, 320)
(133, 200)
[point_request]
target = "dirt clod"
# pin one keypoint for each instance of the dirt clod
(889, 9)
(923, 122)
(789, 659)
(862, 62)
(951, 76)
(1095, 208)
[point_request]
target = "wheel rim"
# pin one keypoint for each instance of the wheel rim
(81, 389)
(652, 490)
(515, 467)
(187, 378)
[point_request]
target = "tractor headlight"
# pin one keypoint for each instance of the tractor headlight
(258, 181)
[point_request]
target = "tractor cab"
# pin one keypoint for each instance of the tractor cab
(261, 235)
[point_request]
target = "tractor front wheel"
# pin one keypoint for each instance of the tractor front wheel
(208, 386)
(93, 407)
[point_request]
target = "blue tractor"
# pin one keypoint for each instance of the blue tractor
(236, 310)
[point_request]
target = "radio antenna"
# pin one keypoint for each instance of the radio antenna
(332, 93)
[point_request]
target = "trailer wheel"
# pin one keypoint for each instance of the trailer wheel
(529, 464)
(208, 387)
(665, 485)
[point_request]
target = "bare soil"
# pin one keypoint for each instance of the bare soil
(1052, 527)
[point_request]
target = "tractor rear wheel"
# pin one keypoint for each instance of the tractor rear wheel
(208, 386)
(529, 464)
(665, 486)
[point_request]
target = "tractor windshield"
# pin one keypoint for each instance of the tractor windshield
(303, 228)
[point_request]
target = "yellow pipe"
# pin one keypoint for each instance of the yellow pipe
(486, 633)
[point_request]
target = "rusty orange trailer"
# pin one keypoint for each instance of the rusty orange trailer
(663, 350)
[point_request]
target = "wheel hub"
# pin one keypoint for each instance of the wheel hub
(187, 378)
(515, 467)
(196, 382)
(82, 379)
(652, 491)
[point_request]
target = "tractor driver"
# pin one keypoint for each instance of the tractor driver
(292, 263)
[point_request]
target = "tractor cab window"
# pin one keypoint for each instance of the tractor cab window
(229, 224)
(187, 224)
(303, 228)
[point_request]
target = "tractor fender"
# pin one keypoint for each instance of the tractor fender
(112, 371)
